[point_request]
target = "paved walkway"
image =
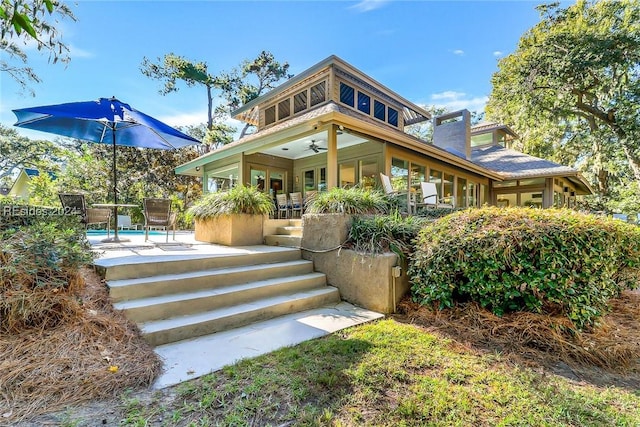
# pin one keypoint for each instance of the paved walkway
(192, 358)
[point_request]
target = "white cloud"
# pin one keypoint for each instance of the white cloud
(458, 52)
(76, 52)
(497, 53)
(185, 119)
(369, 5)
(454, 101)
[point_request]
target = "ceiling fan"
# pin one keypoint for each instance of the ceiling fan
(315, 147)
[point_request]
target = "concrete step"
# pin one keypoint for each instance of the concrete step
(281, 240)
(167, 306)
(192, 358)
(117, 268)
(289, 231)
(166, 284)
(184, 327)
(295, 222)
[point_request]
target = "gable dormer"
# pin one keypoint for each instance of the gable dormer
(331, 80)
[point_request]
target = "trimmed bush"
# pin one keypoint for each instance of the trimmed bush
(351, 201)
(518, 259)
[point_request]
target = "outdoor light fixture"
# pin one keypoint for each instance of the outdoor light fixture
(197, 168)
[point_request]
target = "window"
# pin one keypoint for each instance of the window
(364, 103)
(448, 189)
(435, 176)
(399, 174)
(300, 102)
(393, 117)
(258, 178)
(368, 173)
(473, 199)
(309, 180)
(461, 192)
(417, 175)
(379, 110)
(317, 93)
(284, 109)
(270, 115)
(347, 174)
(322, 182)
(346, 94)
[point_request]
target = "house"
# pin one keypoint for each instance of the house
(20, 187)
(332, 125)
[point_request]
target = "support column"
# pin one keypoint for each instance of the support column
(332, 157)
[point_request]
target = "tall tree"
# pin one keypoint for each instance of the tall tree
(23, 21)
(237, 87)
(572, 86)
(18, 152)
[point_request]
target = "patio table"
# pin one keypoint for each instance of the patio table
(114, 206)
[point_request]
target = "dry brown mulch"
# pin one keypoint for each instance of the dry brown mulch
(608, 354)
(95, 354)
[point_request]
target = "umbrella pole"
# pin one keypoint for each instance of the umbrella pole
(115, 189)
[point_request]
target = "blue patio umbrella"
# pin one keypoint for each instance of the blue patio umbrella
(105, 121)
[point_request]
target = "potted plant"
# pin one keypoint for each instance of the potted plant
(233, 218)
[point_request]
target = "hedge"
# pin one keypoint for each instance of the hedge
(522, 259)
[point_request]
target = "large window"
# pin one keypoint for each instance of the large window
(222, 178)
(284, 109)
(346, 94)
(270, 115)
(379, 110)
(300, 102)
(364, 103)
(399, 174)
(461, 192)
(318, 93)
(435, 176)
(347, 174)
(448, 189)
(368, 173)
(393, 117)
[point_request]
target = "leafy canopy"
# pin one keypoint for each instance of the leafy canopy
(572, 89)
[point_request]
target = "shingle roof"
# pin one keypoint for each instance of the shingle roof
(514, 164)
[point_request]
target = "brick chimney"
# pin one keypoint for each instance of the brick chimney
(452, 132)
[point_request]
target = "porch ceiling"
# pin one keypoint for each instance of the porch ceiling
(301, 147)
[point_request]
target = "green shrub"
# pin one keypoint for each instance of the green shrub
(353, 201)
(238, 200)
(553, 261)
(41, 254)
(383, 233)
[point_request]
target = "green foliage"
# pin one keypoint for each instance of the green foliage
(238, 200)
(526, 259)
(571, 89)
(382, 233)
(352, 201)
(22, 21)
(40, 257)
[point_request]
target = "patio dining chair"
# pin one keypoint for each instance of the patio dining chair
(157, 213)
(282, 205)
(389, 190)
(76, 204)
(296, 203)
(430, 197)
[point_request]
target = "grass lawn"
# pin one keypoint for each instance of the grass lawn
(385, 373)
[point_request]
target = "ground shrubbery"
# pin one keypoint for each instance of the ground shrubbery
(550, 261)
(375, 234)
(40, 257)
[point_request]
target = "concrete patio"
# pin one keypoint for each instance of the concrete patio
(191, 358)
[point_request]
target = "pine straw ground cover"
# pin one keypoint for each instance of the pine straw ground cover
(94, 352)
(607, 354)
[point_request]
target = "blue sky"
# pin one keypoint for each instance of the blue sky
(430, 52)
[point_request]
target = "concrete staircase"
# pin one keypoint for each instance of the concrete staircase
(287, 236)
(182, 298)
